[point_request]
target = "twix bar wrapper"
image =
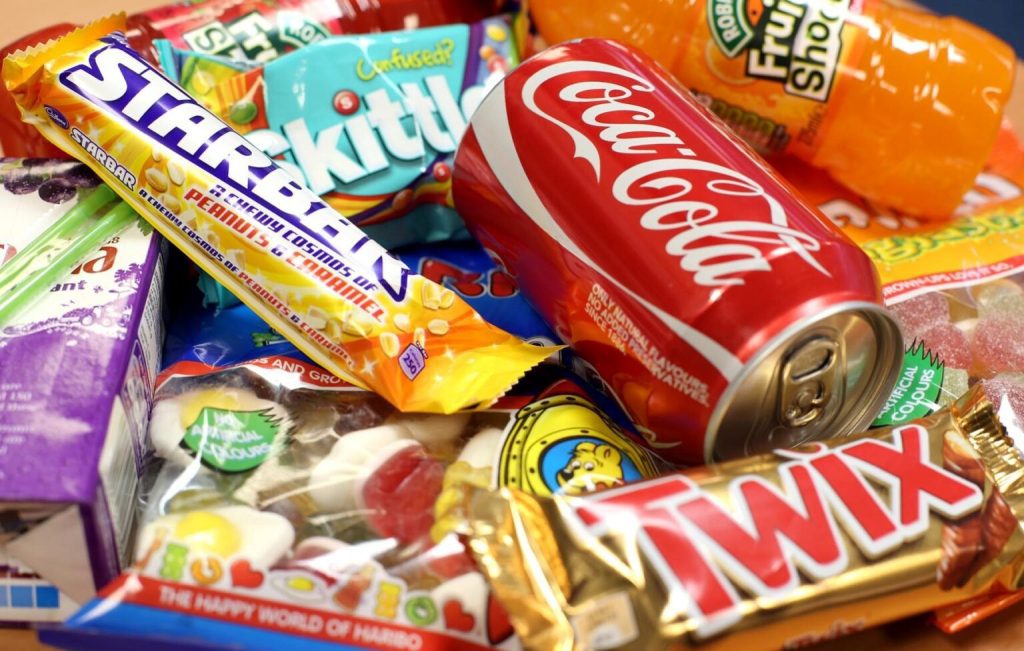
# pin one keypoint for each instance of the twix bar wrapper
(778, 550)
(305, 269)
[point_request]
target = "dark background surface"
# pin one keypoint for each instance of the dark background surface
(1005, 18)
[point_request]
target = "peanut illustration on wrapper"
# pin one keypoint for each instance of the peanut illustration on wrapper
(305, 269)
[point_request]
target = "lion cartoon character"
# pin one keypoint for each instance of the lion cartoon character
(592, 466)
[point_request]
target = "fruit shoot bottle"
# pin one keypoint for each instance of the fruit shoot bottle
(257, 30)
(899, 105)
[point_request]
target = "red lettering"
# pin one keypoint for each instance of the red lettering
(768, 533)
(100, 264)
(917, 482)
(863, 515)
(502, 284)
(465, 282)
(753, 547)
(679, 562)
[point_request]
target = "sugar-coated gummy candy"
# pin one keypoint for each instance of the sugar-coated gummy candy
(1013, 377)
(949, 344)
(399, 492)
(1008, 398)
(954, 384)
(999, 298)
(998, 344)
(967, 327)
(921, 312)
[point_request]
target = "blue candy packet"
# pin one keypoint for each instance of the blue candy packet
(370, 122)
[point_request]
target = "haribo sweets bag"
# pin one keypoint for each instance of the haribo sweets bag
(291, 510)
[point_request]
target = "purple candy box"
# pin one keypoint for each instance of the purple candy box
(76, 379)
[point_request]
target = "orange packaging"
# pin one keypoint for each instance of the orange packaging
(1002, 179)
(851, 86)
(310, 273)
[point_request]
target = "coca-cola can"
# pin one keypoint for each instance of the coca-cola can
(728, 317)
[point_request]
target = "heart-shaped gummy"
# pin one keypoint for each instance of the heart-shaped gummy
(456, 618)
(244, 576)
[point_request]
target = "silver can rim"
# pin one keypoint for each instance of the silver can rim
(890, 352)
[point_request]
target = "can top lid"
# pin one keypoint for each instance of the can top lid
(816, 380)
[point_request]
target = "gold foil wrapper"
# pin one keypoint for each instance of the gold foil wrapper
(780, 550)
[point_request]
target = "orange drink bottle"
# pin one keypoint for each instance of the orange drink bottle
(899, 105)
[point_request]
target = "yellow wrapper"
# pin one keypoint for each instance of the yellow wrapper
(305, 269)
(775, 551)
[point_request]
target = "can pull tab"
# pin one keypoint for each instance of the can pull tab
(808, 378)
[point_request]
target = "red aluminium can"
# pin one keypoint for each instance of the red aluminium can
(728, 317)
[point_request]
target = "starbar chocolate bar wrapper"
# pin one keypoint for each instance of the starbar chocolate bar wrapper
(306, 270)
(778, 550)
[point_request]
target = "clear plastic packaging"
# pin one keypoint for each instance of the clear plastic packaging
(286, 509)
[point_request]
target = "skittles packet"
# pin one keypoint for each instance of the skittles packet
(370, 122)
(306, 270)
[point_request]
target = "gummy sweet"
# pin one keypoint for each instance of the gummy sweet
(921, 313)
(949, 343)
(998, 345)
